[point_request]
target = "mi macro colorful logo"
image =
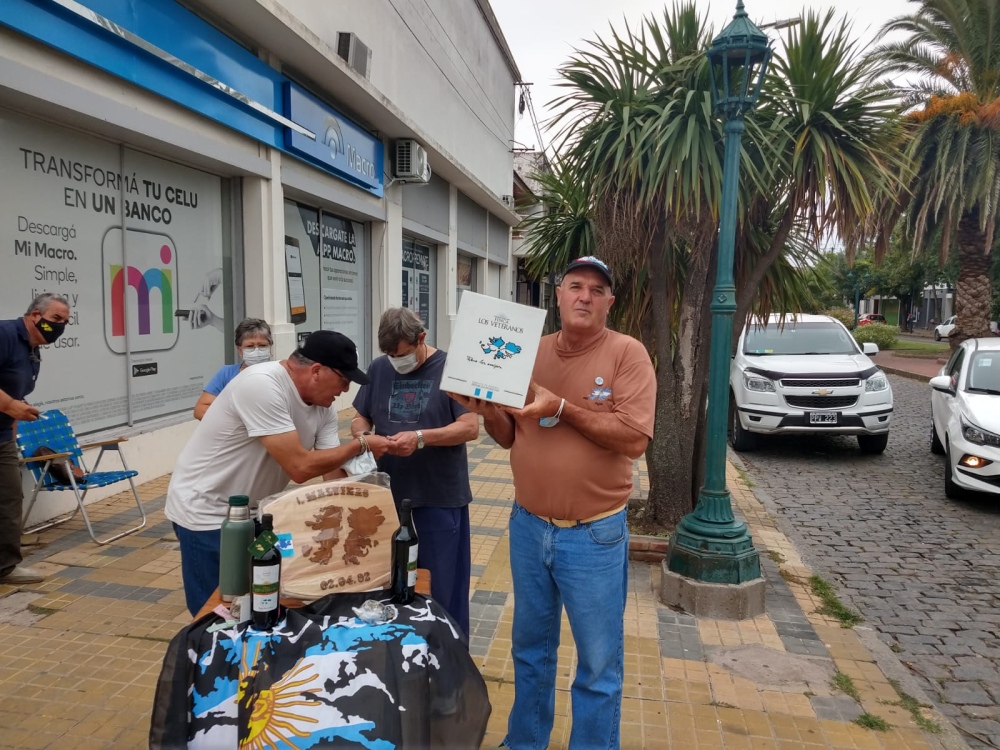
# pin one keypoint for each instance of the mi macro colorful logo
(160, 279)
(140, 297)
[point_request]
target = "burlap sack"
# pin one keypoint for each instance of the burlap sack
(335, 536)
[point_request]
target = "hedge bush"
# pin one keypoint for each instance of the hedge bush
(844, 314)
(877, 333)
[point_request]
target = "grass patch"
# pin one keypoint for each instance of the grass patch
(920, 349)
(790, 577)
(43, 611)
(919, 354)
(871, 721)
(845, 684)
(744, 477)
(832, 606)
(914, 706)
(896, 648)
(722, 704)
(921, 346)
(776, 556)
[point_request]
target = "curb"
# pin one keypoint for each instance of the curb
(893, 668)
(885, 659)
(905, 373)
(651, 549)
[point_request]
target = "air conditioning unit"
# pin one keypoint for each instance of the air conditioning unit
(357, 54)
(411, 163)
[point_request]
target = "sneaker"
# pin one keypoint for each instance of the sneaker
(22, 574)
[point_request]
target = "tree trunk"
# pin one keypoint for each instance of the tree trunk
(751, 278)
(973, 290)
(681, 378)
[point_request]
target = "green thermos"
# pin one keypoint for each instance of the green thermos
(234, 558)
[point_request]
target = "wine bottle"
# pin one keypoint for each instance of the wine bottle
(266, 566)
(404, 557)
(234, 560)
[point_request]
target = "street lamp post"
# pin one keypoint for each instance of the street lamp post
(709, 545)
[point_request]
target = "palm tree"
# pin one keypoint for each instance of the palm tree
(832, 128)
(639, 132)
(952, 48)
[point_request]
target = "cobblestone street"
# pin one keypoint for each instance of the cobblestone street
(921, 569)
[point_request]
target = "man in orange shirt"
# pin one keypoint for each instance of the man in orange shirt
(572, 448)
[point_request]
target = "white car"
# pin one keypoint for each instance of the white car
(943, 330)
(965, 417)
(807, 375)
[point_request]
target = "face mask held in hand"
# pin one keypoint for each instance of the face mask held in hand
(256, 355)
(49, 329)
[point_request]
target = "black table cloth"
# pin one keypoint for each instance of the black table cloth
(323, 678)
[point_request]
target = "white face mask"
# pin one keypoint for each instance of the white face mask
(406, 363)
(256, 355)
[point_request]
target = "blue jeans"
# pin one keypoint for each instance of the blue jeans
(199, 565)
(585, 569)
(445, 551)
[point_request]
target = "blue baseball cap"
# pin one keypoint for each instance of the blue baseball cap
(590, 261)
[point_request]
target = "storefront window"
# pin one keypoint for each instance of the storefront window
(419, 287)
(334, 260)
(135, 243)
(466, 275)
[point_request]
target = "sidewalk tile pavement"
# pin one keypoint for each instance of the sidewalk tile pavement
(80, 653)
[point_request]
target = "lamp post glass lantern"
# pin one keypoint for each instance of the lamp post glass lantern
(710, 545)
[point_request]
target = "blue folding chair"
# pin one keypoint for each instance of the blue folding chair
(52, 430)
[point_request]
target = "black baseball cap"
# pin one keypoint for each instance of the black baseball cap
(589, 261)
(336, 351)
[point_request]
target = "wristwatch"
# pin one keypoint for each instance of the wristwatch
(420, 439)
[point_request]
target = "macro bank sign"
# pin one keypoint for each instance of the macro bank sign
(340, 146)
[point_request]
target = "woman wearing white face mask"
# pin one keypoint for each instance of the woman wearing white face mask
(426, 459)
(253, 346)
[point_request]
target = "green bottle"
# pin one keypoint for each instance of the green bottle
(234, 559)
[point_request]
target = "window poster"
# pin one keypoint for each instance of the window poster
(134, 242)
(334, 273)
(419, 291)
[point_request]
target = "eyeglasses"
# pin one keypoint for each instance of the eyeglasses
(345, 381)
(35, 357)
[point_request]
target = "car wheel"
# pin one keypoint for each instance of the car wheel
(937, 336)
(936, 447)
(741, 440)
(951, 490)
(873, 443)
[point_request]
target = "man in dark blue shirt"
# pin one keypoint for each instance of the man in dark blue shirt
(426, 461)
(20, 359)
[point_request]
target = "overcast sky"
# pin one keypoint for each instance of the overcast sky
(543, 33)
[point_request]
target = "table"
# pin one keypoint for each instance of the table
(423, 587)
(322, 678)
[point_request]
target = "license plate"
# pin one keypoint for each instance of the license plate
(822, 417)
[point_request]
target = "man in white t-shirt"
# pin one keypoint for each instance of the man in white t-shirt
(272, 423)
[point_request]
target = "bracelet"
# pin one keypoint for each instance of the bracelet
(364, 444)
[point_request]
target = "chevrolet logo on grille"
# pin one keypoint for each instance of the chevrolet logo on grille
(822, 392)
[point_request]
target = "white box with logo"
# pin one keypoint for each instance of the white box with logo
(493, 349)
